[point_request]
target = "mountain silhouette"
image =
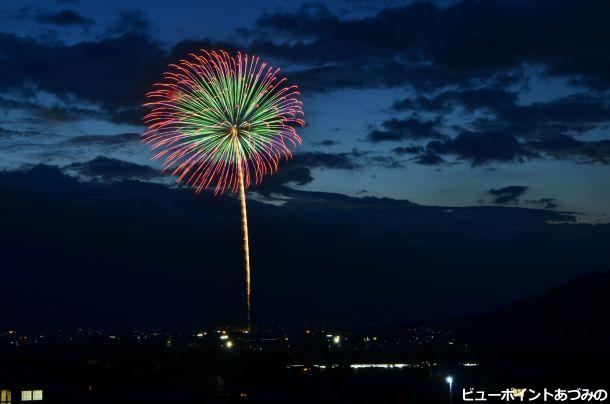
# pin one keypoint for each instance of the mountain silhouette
(571, 317)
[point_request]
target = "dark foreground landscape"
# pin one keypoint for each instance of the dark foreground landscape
(537, 343)
(440, 234)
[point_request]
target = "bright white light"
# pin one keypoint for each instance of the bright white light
(449, 379)
(337, 339)
(224, 337)
(379, 365)
(229, 344)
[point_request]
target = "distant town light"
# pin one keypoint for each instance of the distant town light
(379, 365)
(5, 396)
(449, 380)
(337, 339)
(224, 337)
(229, 344)
(31, 395)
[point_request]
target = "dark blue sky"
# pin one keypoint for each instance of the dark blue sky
(419, 116)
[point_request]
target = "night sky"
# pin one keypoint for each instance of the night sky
(456, 157)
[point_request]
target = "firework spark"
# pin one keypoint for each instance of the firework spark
(222, 122)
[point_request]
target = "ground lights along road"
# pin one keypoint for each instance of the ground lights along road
(222, 122)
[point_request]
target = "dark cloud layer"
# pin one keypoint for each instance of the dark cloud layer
(570, 115)
(131, 21)
(328, 143)
(340, 161)
(481, 148)
(510, 194)
(165, 255)
(546, 203)
(105, 140)
(406, 129)
(418, 44)
(515, 132)
(114, 73)
(467, 40)
(105, 168)
(64, 17)
(310, 20)
(563, 146)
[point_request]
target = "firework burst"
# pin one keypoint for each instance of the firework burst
(216, 114)
(222, 122)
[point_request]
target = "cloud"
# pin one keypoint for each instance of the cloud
(182, 49)
(297, 171)
(470, 40)
(64, 18)
(11, 133)
(482, 148)
(113, 73)
(572, 114)
(105, 140)
(566, 147)
(493, 99)
(395, 130)
(420, 155)
(339, 161)
(62, 112)
(131, 21)
(105, 168)
(330, 77)
(327, 143)
(515, 132)
(310, 20)
(429, 159)
(408, 150)
(290, 174)
(510, 194)
(546, 203)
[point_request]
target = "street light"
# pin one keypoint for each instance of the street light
(449, 380)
